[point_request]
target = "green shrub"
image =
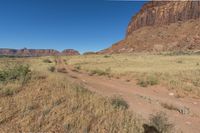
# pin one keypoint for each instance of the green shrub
(101, 72)
(107, 56)
(77, 68)
(119, 102)
(161, 123)
(146, 81)
(16, 72)
(179, 62)
(7, 92)
(47, 61)
(52, 69)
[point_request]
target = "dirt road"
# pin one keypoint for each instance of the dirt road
(183, 112)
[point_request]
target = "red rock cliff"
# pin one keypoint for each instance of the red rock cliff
(162, 26)
(164, 12)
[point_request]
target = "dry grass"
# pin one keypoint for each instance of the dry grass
(178, 72)
(49, 103)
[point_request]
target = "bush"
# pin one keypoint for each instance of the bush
(47, 61)
(7, 92)
(161, 123)
(100, 72)
(62, 70)
(17, 72)
(149, 80)
(118, 102)
(107, 56)
(52, 69)
(78, 67)
(179, 62)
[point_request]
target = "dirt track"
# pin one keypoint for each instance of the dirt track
(144, 101)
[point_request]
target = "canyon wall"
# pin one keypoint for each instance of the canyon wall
(162, 26)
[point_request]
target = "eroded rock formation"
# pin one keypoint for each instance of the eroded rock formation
(162, 26)
(37, 52)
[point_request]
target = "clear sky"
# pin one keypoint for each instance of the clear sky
(84, 25)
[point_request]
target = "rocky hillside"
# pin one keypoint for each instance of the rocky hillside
(70, 52)
(162, 26)
(37, 52)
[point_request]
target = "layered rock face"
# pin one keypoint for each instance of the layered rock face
(70, 52)
(162, 26)
(164, 12)
(36, 52)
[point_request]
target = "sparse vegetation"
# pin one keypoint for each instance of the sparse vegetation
(170, 106)
(7, 91)
(161, 123)
(182, 110)
(119, 102)
(62, 70)
(47, 61)
(148, 81)
(164, 68)
(52, 69)
(71, 106)
(107, 56)
(99, 72)
(77, 67)
(15, 72)
(74, 108)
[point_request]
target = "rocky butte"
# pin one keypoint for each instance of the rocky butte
(162, 26)
(37, 52)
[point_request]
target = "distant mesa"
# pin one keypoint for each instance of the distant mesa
(70, 52)
(37, 52)
(162, 26)
(89, 53)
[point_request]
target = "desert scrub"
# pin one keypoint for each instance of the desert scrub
(118, 102)
(15, 73)
(160, 122)
(7, 92)
(100, 72)
(52, 69)
(149, 80)
(47, 61)
(77, 109)
(62, 70)
(77, 67)
(107, 56)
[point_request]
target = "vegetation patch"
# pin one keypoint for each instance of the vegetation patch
(148, 81)
(47, 61)
(169, 107)
(76, 68)
(62, 70)
(107, 56)
(118, 102)
(181, 110)
(52, 69)
(15, 73)
(100, 72)
(160, 123)
(7, 92)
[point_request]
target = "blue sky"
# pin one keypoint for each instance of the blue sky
(84, 25)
